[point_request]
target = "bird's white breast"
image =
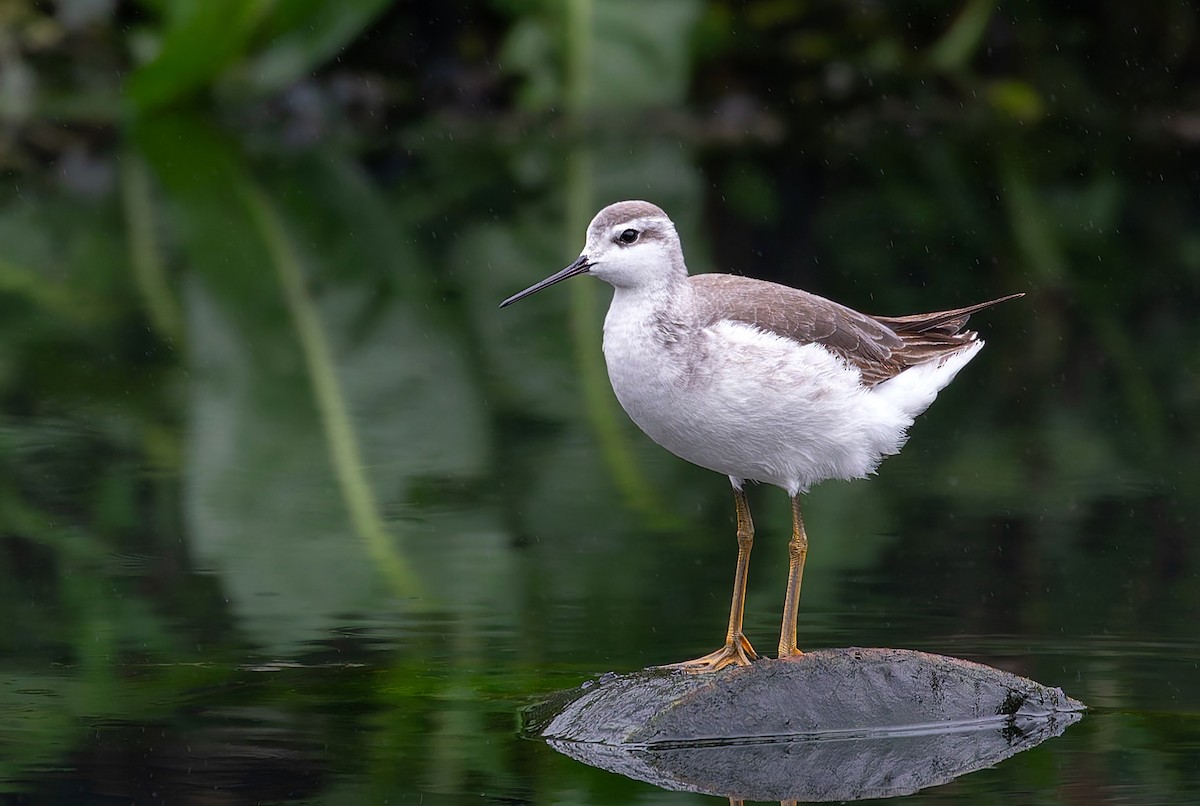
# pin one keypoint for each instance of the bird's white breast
(743, 402)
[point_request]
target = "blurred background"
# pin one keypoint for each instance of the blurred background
(289, 511)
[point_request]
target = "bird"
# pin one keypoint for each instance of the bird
(758, 381)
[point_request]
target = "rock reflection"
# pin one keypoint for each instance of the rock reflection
(822, 768)
(834, 725)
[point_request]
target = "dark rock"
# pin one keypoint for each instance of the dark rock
(839, 724)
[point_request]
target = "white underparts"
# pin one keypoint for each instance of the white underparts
(754, 405)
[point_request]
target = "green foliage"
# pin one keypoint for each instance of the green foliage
(616, 56)
(257, 45)
(198, 41)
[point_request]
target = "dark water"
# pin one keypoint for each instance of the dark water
(290, 512)
(251, 649)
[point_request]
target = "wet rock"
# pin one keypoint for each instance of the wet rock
(839, 724)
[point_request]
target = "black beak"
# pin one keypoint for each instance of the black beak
(580, 266)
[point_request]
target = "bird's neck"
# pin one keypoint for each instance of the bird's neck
(661, 315)
(669, 295)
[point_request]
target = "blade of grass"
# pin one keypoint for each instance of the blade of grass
(959, 43)
(318, 356)
(585, 329)
(145, 256)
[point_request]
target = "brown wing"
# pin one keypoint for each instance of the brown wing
(880, 347)
(861, 340)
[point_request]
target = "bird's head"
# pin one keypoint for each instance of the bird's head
(630, 244)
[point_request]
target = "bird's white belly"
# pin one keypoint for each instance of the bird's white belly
(752, 405)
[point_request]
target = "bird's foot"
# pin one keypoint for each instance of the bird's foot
(787, 652)
(737, 651)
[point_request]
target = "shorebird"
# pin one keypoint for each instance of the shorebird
(758, 381)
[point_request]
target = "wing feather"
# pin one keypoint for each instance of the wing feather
(880, 347)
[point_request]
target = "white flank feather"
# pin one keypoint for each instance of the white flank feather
(916, 387)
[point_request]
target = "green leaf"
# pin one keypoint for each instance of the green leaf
(306, 405)
(303, 34)
(959, 43)
(201, 39)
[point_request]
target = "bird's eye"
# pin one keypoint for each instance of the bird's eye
(628, 236)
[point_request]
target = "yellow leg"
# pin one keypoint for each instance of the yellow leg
(737, 649)
(797, 551)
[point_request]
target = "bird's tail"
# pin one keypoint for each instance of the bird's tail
(945, 323)
(914, 389)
